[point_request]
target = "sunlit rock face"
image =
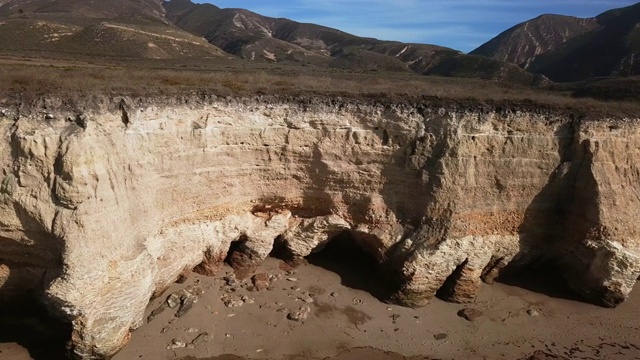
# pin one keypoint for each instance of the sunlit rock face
(100, 212)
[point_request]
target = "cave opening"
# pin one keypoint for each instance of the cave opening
(542, 277)
(357, 268)
(281, 251)
(26, 322)
(241, 258)
(235, 248)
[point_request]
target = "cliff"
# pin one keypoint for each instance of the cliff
(103, 206)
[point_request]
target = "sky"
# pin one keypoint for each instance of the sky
(459, 24)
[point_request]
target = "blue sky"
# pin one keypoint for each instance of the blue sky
(459, 24)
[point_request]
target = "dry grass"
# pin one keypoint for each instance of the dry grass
(242, 78)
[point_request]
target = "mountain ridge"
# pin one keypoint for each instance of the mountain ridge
(557, 47)
(260, 38)
(521, 43)
(569, 49)
(610, 50)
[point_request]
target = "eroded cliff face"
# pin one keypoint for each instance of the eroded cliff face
(101, 212)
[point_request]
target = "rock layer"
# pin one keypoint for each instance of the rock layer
(99, 218)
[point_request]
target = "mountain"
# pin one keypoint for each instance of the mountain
(521, 43)
(259, 38)
(114, 28)
(612, 49)
(178, 29)
(567, 49)
(150, 9)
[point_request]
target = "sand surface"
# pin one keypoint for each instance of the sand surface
(347, 322)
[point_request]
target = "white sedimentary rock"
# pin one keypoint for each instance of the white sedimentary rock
(99, 218)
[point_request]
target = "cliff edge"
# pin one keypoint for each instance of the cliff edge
(103, 208)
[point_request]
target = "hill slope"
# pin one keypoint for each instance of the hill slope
(521, 43)
(115, 28)
(566, 48)
(150, 9)
(260, 38)
(177, 29)
(612, 49)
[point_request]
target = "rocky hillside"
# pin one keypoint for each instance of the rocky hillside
(260, 38)
(148, 9)
(100, 29)
(178, 29)
(572, 49)
(612, 49)
(523, 42)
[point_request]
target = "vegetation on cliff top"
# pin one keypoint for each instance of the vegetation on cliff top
(26, 78)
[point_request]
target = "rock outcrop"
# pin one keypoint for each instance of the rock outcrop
(99, 218)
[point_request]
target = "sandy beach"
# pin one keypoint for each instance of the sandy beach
(316, 312)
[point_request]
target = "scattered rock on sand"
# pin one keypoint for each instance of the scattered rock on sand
(200, 339)
(230, 280)
(299, 315)
(156, 312)
(533, 312)
(232, 301)
(173, 300)
(470, 314)
(186, 303)
(176, 344)
(261, 281)
(541, 355)
(188, 297)
(441, 336)
(184, 298)
(306, 298)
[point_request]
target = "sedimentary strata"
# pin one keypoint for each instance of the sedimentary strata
(98, 216)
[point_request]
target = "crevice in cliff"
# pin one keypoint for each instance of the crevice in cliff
(357, 268)
(385, 138)
(124, 113)
(554, 256)
(448, 289)
(57, 182)
(16, 151)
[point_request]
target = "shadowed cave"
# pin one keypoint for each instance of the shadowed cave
(543, 277)
(27, 323)
(357, 268)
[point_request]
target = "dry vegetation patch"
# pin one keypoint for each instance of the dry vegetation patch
(32, 77)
